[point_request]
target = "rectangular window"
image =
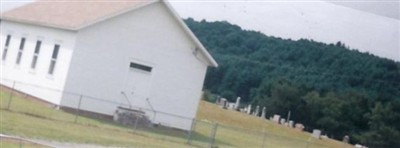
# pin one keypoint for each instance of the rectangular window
(6, 47)
(21, 48)
(54, 59)
(140, 67)
(36, 54)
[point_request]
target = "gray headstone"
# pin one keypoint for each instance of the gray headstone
(237, 104)
(255, 113)
(231, 106)
(291, 123)
(276, 118)
(217, 100)
(263, 113)
(359, 146)
(283, 121)
(249, 109)
(316, 133)
(299, 126)
(346, 139)
(223, 103)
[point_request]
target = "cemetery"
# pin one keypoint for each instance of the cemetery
(278, 119)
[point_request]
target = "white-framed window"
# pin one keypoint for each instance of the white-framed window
(20, 51)
(5, 50)
(36, 54)
(53, 60)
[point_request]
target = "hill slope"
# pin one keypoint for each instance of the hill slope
(320, 66)
(234, 124)
(34, 120)
(317, 19)
(325, 86)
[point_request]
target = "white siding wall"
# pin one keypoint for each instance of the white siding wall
(36, 82)
(148, 36)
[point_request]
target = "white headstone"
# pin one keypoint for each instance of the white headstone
(223, 103)
(291, 123)
(237, 104)
(360, 146)
(299, 126)
(276, 118)
(231, 106)
(283, 121)
(263, 113)
(346, 139)
(217, 100)
(249, 109)
(316, 133)
(255, 113)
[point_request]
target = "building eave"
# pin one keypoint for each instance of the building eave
(182, 24)
(38, 24)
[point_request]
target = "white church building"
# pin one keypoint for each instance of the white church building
(127, 53)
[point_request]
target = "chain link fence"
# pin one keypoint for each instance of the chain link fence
(142, 121)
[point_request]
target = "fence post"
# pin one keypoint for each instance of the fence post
(77, 110)
(154, 117)
(188, 140)
(212, 135)
(11, 96)
(136, 122)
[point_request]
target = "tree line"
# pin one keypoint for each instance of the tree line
(326, 86)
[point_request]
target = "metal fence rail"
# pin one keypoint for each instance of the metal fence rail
(201, 134)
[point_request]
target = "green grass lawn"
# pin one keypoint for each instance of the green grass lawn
(13, 143)
(31, 119)
(248, 131)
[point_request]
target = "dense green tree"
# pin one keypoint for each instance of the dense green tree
(382, 132)
(279, 97)
(326, 86)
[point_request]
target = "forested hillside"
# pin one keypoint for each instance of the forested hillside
(325, 86)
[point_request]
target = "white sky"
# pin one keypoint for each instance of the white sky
(368, 25)
(388, 8)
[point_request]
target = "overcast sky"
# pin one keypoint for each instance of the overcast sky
(380, 7)
(367, 25)
(388, 8)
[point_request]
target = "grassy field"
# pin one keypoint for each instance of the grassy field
(30, 119)
(248, 131)
(13, 143)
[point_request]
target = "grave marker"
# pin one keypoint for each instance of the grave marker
(237, 104)
(316, 133)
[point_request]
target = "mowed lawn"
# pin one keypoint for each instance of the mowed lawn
(31, 119)
(249, 129)
(14, 143)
